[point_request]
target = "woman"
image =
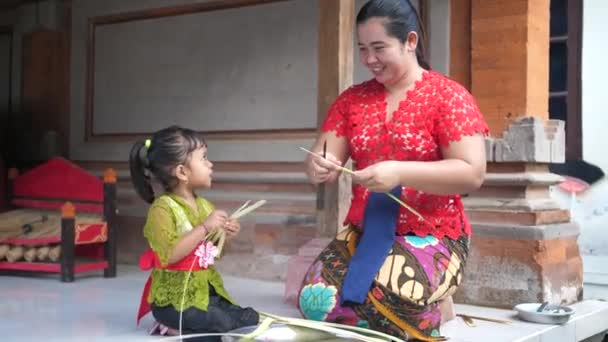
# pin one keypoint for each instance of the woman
(419, 135)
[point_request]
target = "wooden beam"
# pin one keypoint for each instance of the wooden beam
(335, 74)
(335, 53)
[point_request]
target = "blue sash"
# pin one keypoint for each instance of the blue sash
(379, 229)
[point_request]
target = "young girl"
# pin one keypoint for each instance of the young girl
(176, 225)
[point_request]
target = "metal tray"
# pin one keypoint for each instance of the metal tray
(551, 314)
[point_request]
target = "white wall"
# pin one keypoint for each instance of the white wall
(594, 76)
(253, 67)
(217, 74)
(129, 88)
(591, 208)
(295, 71)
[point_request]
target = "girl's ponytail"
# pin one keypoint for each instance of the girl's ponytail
(138, 164)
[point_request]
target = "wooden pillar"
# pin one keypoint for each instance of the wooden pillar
(524, 246)
(68, 245)
(109, 215)
(335, 74)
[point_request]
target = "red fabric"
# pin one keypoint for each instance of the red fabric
(59, 179)
(90, 251)
(52, 267)
(149, 260)
(436, 112)
(80, 207)
(31, 266)
(32, 241)
(574, 185)
(85, 234)
(91, 233)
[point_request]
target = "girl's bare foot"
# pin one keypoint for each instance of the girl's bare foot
(163, 330)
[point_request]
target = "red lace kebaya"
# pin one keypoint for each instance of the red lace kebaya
(435, 112)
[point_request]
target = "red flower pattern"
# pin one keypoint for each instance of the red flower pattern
(377, 293)
(436, 112)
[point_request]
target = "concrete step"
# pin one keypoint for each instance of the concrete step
(235, 176)
(589, 321)
(269, 236)
(596, 269)
(295, 204)
(595, 277)
(595, 292)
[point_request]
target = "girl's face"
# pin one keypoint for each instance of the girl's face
(200, 169)
(384, 56)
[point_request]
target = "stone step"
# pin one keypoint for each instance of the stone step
(260, 177)
(518, 217)
(287, 203)
(264, 236)
(590, 320)
(234, 176)
(509, 204)
(259, 216)
(595, 292)
(522, 179)
(264, 187)
(247, 186)
(269, 236)
(596, 270)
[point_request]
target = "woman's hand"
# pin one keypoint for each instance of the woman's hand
(321, 170)
(216, 219)
(232, 228)
(380, 177)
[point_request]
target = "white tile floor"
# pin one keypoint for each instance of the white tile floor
(40, 308)
(34, 308)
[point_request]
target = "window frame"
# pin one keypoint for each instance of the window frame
(573, 40)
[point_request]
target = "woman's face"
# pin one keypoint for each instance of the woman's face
(385, 56)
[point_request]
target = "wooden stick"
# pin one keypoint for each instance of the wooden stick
(494, 320)
(351, 172)
(249, 209)
(347, 170)
(239, 209)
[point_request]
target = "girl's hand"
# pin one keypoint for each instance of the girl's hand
(232, 228)
(323, 170)
(216, 219)
(380, 177)
(203, 228)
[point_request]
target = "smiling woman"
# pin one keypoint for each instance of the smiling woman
(417, 135)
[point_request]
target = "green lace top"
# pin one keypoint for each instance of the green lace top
(164, 226)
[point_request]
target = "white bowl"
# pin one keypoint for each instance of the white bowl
(528, 312)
